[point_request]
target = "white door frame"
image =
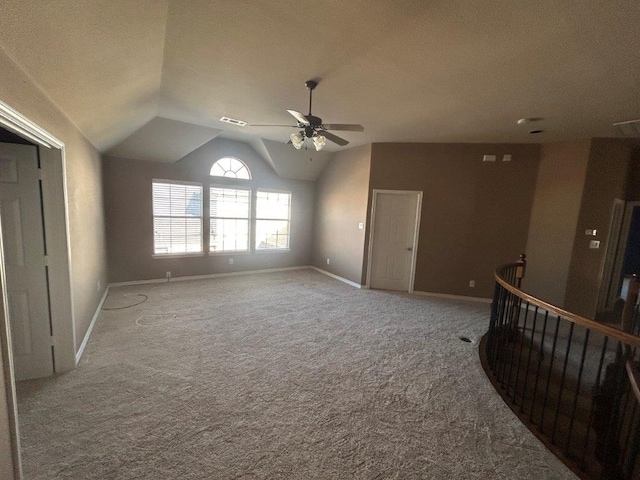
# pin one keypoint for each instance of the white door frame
(611, 255)
(55, 212)
(414, 249)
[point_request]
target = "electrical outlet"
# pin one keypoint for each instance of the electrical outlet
(472, 284)
(231, 261)
(168, 274)
(328, 261)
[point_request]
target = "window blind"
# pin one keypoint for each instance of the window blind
(177, 218)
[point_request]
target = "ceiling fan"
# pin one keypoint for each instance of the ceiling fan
(311, 127)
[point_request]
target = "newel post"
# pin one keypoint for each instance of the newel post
(630, 304)
(521, 266)
(520, 269)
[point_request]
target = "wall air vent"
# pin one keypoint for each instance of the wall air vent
(630, 128)
(233, 121)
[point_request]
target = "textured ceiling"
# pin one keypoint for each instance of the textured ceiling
(100, 62)
(163, 140)
(408, 71)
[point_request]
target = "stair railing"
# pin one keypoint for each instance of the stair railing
(573, 381)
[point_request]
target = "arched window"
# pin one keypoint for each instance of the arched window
(230, 167)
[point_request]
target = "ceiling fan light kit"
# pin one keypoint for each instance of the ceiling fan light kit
(310, 126)
(297, 139)
(319, 141)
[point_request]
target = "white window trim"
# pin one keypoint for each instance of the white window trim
(231, 178)
(177, 182)
(231, 185)
(185, 254)
(252, 220)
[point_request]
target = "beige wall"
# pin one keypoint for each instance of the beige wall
(554, 217)
(608, 177)
(475, 214)
(84, 188)
(342, 193)
(128, 204)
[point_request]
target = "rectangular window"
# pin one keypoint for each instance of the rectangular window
(177, 218)
(229, 212)
(273, 215)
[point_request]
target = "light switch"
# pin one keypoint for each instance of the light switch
(489, 158)
(591, 232)
(594, 244)
(506, 158)
(360, 226)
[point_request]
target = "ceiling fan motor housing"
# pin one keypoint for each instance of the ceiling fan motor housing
(314, 121)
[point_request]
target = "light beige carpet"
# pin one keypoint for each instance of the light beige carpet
(289, 375)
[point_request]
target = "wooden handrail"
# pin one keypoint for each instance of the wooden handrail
(556, 380)
(608, 330)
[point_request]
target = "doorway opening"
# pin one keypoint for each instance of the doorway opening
(53, 204)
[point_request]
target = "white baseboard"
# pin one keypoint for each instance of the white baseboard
(139, 282)
(85, 340)
(284, 269)
(455, 297)
(337, 277)
(206, 276)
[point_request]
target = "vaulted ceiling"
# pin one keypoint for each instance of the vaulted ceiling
(408, 71)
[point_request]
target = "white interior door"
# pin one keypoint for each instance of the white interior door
(24, 257)
(394, 240)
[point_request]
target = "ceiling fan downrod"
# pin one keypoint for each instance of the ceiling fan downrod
(310, 84)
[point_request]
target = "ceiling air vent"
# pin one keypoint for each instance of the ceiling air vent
(233, 121)
(630, 128)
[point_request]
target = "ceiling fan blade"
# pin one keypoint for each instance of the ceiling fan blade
(346, 127)
(299, 117)
(334, 138)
